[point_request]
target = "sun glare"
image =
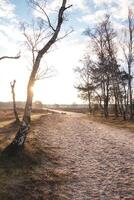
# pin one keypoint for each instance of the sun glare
(37, 92)
(35, 89)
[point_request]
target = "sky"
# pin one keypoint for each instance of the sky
(65, 55)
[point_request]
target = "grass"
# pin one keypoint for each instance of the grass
(14, 171)
(25, 177)
(112, 121)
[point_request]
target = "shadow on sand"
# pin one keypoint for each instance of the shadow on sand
(33, 174)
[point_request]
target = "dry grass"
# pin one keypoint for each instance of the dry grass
(8, 127)
(112, 121)
(23, 176)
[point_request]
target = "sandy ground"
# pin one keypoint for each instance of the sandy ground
(96, 161)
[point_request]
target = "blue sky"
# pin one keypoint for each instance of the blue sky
(66, 53)
(22, 10)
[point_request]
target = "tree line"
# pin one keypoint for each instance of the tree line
(105, 79)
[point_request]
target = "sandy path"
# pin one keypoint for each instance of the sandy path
(99, 158)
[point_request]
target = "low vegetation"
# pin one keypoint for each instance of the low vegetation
(111, 120)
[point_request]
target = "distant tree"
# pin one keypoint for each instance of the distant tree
(53, 33)
(122, 93)
(12, 84)
(84, 85)
(105, 71)
(128, 49)
(119, 93)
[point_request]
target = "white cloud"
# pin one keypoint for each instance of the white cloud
(119, 9)
(10, 36)
(6, 9)
(93, 18)
(9, 29)
(79, 4)
(99, 2)
(54, 5)
(122, 10)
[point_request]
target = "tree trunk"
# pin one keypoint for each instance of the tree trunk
(19, 140)
(130, 94)
(120, 108)
(116, 109)
(14, 101)
(130, 57)
(106, 108)
(106, 99)
(116, 103)
(89, 102)
(28, 106)
(123, 110)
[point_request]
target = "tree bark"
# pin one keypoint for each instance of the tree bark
(106, 99)
(14, 101)
(89, 102)
(10, 57)
(130, 57)
(116, 109)
(130, 93)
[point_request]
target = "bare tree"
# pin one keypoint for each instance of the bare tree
(128, 49)
(104, 73)
(84, 86)
(12, 84)
(35, 35)
(20, 137)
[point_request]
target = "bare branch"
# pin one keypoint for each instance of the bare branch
(48, 72)
(69, 6)
(12, 84)
(41, 10)
(11, 57)
(65, 35)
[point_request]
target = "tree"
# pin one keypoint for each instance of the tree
(128, 49)
(122, 93)
(85, 86)
(104, 73)
(20, 137)
(12, 84)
